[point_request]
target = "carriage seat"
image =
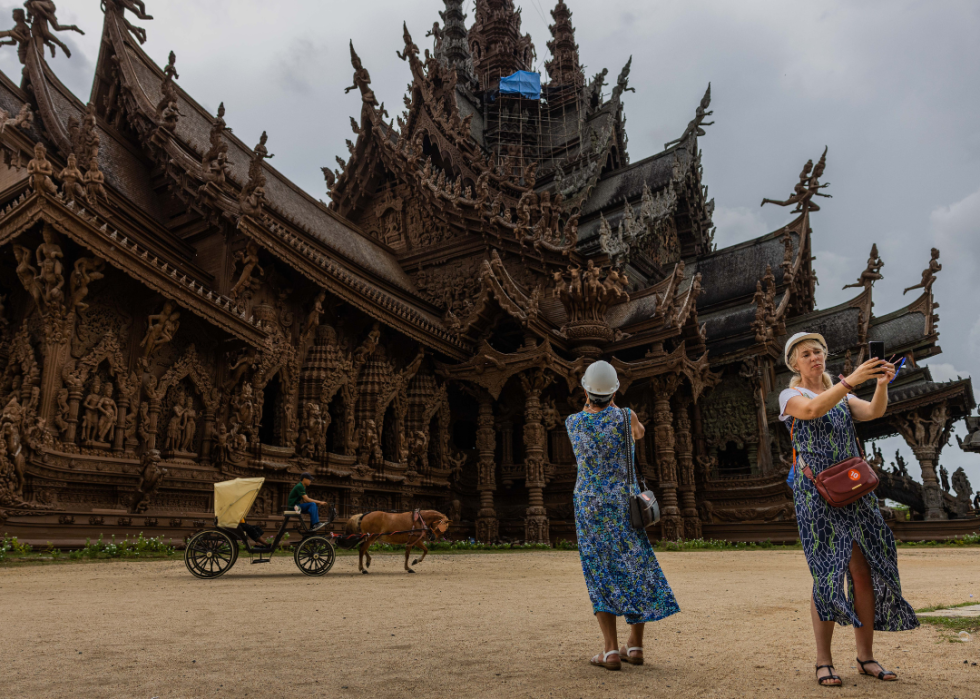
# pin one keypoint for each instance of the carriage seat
(291, 513)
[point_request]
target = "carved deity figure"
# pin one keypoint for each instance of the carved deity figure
(312, 433)
(40, 171)
(362, 80)
(808, 187)
(250, 261)
(456, 462)
(150, 480)
(189, 425)
(71, 178)
(419, 451)
(13, 444)
(162, 328)
(19, 36)
(700, 114)
(49, 256)
(928, 274)
(243, 410)
(108, 412)
(175, 428)
(944, 478)
(138, 8)
(87, 270)
(872, 273)
(90, 406)
(43, 19)
(368, 445)
(28, 274)
(313, 318)
(94, 180)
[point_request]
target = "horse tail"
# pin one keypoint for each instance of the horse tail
(354, 524)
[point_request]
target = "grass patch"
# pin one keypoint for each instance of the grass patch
(937, 607)
(953, 625)
(13, 551)
(972, 539)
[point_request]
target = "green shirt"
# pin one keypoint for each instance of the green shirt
(296, 495)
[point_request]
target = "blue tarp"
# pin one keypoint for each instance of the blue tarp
(523, 83)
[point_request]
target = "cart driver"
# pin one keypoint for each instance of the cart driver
(301, 502)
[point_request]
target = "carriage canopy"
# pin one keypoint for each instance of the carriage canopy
(233, 499)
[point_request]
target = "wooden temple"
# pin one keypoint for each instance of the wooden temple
(176, 312)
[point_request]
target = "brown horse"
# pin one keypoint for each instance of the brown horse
(410, 528)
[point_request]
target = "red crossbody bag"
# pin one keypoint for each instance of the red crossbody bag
(846, 481)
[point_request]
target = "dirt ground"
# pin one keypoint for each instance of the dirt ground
(477, 625)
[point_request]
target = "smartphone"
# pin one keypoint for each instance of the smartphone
(876, 349)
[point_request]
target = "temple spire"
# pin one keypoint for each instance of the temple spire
(452, 47)
(563, 67)
(496, 44)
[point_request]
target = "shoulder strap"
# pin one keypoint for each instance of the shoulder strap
(631, 471)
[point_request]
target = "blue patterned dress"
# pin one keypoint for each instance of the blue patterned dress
(620, 567)
(827, 533)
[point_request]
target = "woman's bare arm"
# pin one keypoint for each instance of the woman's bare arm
(805, 408)
(638, 429)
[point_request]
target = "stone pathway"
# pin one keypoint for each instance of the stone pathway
(954, 612)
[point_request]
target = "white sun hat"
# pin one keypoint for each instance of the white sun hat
(600, 379)
(798, 338)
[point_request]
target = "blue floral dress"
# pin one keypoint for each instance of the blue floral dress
(620, 567)
(827, 533)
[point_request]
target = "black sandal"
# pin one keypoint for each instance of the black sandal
(822, 681)
(881, 675)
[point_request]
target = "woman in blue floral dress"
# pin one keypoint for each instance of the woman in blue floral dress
(850, 550)
(620, 567)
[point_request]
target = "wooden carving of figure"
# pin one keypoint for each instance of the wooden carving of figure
(243, 410)
(43, 19)
(368, 346)
(928, 274)
(90, 418)
(168, 93)
(937, 423)
(245, 360)
(250, 259)
(27, 274)
(107, 413)
(49, 256)
(313, 319)
(457, 462)
(24, 116)
(873, 271)
(19, 36)
(700, 114)
(138, 8)
(175, 428)
(71, 177)
(15, 453)
(162, 328)
(918, 429)
(87, 270)
(94, 180)
(944, 478)
(622, 85)
(799, 189)
(219, 452)
(419, 450)
(150, 479)
(188, 426)
(362, 80)
(40, 171)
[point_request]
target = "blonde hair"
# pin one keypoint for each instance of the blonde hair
(806, 344)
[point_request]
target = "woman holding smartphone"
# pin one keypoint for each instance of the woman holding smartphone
(850, 550)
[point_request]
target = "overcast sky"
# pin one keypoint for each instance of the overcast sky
(889, 86)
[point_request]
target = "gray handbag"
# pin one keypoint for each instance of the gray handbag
(644, 508)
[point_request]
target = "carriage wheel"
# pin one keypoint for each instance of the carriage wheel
(314, 556)
(210, 554)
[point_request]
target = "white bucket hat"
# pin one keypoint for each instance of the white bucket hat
(600, 379)
(798, 338)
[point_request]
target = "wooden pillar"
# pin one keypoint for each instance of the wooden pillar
(932, 496)
(536, 516)
(74, 399)
(122, 408)
(151, 430)
(670, 514)
(684, 446)
(487, 525)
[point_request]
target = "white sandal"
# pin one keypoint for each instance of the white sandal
(630, 660)
(605, 662)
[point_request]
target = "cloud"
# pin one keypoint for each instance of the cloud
(737, 224)
(944, 371)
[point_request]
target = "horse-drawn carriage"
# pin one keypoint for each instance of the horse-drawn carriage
(212, 552)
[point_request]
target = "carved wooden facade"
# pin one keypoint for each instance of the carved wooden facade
(176, 312)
